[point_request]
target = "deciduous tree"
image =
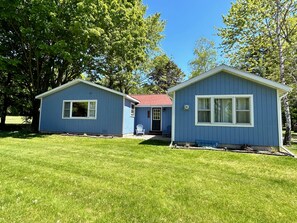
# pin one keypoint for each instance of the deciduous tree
(205, 57)
(259, 37)
(53, 42)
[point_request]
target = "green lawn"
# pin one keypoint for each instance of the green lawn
(52, 178)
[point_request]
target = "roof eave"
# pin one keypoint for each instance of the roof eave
(235, 72)
(131, 99)
(60, 88)
(76, 81)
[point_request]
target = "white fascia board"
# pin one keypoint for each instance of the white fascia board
(60, 88)
(235, 72)
(76, 81)
(131, 99)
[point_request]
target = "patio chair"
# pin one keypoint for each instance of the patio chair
(140, 129)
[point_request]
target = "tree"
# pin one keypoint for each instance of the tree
(53, 42)
(164, 74)
(47, 42)
(205, 57)
(258, 37)
(132, 39)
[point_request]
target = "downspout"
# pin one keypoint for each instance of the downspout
(123, 115)
(173, 121)
(280, 126)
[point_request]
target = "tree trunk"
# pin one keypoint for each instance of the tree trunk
(288, 135)
(35, 115)
(3, 118)
(6, 101)
(4, 111)
(287, 138)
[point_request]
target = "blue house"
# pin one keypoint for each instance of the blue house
(228, 106)
(154, 113)
(84, 107)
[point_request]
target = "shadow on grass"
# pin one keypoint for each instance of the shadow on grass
(155, 142)
(22, 134)
(22, 131)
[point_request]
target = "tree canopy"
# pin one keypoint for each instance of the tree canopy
(163, 74)
(205, 57)
(47, 43)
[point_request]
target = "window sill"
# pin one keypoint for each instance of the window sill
(224, 125)
(81, 118)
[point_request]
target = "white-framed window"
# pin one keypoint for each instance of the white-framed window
(156, 114)
(224, 110)
(132, 107)
(79, 109)
(203, 110)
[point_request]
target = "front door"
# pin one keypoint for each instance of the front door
(156, 119)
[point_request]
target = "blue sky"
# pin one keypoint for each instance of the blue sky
(187, 21)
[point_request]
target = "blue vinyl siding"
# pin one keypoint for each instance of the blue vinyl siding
(142, 118)
(166, 119)
(128, 119)
(265, 130)
(109, 111)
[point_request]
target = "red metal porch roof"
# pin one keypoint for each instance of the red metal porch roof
(153, 99)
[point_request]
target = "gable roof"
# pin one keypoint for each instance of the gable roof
(150, 100)
(77, 81)
(245, 75)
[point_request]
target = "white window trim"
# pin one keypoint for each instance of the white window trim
(85, 118)
(132, 114)
(233, 97)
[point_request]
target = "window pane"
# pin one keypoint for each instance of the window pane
(80, 109)
(66, 105)
(92, 105)
(203, 116)
(132, 110)
(92, 113)
(203, 103)
(223, 110)
(66, 113)
(242, 104)
(156, 114)
(243, 117)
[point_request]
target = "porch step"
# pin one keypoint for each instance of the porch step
(155, 132)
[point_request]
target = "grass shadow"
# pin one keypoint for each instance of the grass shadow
(16, 127)
(20, 131)
(155, 142)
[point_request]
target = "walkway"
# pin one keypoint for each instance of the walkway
(147, 137)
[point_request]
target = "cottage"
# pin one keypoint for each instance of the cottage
(228, 106)
(154, 113)
(84, 107)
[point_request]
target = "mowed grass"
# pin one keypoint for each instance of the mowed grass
(53, 178)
